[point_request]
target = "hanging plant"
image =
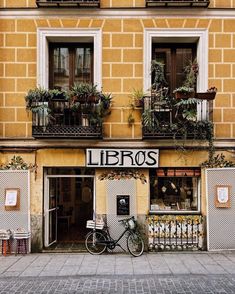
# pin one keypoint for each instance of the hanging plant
(17, 163)
(123, 175)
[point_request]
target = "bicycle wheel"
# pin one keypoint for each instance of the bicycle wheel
(135, 244)
(95, 242)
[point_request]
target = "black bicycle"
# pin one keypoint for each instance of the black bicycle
(97, 241)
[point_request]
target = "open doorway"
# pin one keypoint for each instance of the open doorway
(68, 204)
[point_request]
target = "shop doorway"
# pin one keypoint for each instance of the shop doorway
(68, 204)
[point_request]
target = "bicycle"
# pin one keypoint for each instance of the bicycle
(97, 241)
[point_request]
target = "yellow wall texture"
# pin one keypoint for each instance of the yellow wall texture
(74, 157)
(110, 3)
(122, 57)
(142, 194)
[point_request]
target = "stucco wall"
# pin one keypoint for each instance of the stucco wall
(122, 68)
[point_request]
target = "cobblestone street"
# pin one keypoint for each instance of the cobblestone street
(132, 284)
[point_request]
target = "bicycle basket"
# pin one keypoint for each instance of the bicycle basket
(90, 224)
(131, 224)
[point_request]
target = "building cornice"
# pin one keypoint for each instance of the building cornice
(116, 13)
(31, 144)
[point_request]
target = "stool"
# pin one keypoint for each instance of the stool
(21, 246)
(6, 247)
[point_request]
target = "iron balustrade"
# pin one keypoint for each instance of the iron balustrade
(175, 232)
(178, 3)
(57, 119)
(68, 3)
(163, 120)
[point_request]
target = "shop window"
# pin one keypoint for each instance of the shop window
(174, 189)
(69, 64)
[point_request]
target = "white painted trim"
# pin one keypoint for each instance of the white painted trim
(118, 13)
(202, 54)
(44, 34)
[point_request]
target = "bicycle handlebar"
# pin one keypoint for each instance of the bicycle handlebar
(126, 219)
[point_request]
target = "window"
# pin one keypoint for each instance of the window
(69, 64)
(175, 58)
(84, 42)
(188, 42)
(174, 189)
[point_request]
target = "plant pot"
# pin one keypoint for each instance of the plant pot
(93, 99)
(206, 95)
(184, 95)
(80, 99)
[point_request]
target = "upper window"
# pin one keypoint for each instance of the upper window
(69, 64)
(175, 58)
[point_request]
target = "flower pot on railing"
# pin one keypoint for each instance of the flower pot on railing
(184, 93)
(206, 95)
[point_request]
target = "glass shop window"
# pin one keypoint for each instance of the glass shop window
(174, 190)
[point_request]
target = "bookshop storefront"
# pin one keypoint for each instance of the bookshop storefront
(166, 200)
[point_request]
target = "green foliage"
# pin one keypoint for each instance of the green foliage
(17, 163)
(84, 91)
(100, 111)
(184, 89)
(58, 94)
(217, 161)
(157, 68)
(34, 96)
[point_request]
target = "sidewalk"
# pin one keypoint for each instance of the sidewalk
(51, 265)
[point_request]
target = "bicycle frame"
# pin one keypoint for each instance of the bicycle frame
(112, 243)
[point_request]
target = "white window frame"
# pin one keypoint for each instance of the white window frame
(201, 35)
(47, 35)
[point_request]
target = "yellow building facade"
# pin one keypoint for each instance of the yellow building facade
(124, 36)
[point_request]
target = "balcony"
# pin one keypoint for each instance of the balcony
(68, 3)
(178, 3)
(172, 119)
(58, 119)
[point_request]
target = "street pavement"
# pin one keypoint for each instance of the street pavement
(190, 272)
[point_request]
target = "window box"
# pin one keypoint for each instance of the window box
(178, 3)
(206, 95)
(68, 3)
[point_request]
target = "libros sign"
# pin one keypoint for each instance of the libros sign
(122, 158)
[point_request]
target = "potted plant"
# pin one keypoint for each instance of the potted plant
(56, 94)
(157, 69)
(184, 92)
(138, 97)
(101, 110)
(208, 95)
(37, 98)
(85, 93)
(187, 90)
(37, 101)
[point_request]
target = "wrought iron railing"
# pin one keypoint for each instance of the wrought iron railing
(177, 3)
(168, 120)
(175, 232)
(57, 119)
(68, 3)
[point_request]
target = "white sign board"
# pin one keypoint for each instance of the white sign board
(131, 158)
(11, 198)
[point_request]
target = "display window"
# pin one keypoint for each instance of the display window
(175, 189)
